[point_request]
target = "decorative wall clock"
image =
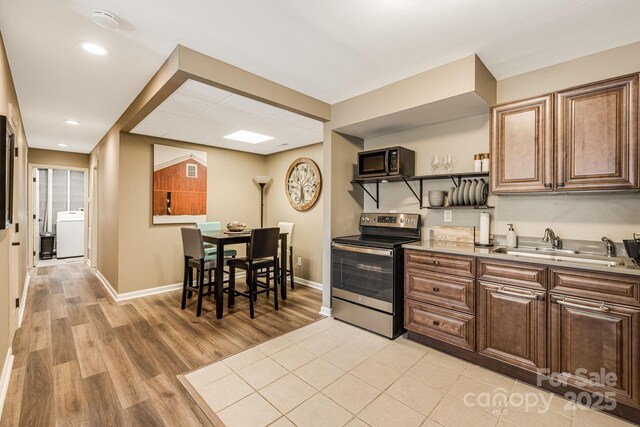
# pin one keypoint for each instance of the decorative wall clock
(303, 183)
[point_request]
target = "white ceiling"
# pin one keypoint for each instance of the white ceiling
(329, 49)
(203, 114)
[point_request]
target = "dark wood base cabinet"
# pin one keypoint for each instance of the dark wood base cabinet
(566, 330)
(589, 337)
(512, 325)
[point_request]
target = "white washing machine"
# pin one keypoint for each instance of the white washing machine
(70, 234)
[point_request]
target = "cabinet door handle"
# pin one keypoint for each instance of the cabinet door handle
(602, 307)
(560, 185)
(531, 294)
(436, 323)
(549, 186)
(436, 262)
(436, 289)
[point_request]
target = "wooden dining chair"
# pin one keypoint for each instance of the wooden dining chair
(195, 258)
(262, 254)
(287, 227)
(208, 247)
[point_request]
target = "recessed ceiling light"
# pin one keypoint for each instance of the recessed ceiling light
(94, 48)
(250, 137)
(72, 122)
(62, 145)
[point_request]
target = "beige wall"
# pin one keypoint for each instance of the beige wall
(151, 255)
(609, 63)
(61, 159)
(13, 259)
(105, 157)
(343, 201)
(462, 138)
(307, 240)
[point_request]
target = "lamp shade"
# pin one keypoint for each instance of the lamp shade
(262, 179)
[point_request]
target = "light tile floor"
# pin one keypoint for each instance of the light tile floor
(332, 374)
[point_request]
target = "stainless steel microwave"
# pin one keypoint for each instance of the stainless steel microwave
(392, 161)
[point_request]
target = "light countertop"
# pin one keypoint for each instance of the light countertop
(470, 249)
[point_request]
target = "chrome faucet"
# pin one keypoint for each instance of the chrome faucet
(550, 237)
(611, 247)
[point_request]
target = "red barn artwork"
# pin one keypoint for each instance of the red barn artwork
(179, 185)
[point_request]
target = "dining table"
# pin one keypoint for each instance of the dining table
(220, 239)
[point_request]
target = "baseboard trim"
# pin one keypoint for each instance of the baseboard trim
(23, 300)
(112, 293)
(149, 292)
(325, 311)
(141, 293)
(309, 283)
(5, 378)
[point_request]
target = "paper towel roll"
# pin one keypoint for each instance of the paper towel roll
(484, 228)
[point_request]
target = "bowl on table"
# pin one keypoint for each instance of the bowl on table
(236, 226)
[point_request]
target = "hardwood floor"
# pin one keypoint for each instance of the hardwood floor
(82, 359)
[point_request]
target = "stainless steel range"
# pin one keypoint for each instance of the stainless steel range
(367, 272)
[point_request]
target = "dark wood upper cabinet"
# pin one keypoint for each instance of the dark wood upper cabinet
(522, 146)
(512, 325)
(597, 136)
(579, 139)
(591, 337)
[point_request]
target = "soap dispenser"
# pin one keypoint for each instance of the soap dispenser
(512, 238)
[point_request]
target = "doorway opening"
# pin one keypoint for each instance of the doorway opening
(59, 200)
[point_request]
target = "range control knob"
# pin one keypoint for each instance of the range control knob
(366, 219)
(401, 220)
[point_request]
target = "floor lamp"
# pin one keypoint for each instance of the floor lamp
(262, 181)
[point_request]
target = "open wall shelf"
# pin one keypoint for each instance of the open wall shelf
(480, 207)
(455, 177)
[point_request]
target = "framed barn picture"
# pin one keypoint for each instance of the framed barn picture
(179, 185)
(7, 144)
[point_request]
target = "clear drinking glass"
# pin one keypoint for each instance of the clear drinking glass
(435, 164)
(448, 162)
(444, 160)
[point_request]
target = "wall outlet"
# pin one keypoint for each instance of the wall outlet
(448, 216)
(299, 262)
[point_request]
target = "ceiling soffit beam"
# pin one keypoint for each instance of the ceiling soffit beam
(186, 64)
(211, 71)
(465, 76)
(166, 81)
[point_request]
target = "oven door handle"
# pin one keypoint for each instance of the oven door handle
(363, 250)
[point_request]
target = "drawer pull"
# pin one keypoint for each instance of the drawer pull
(436, 323)
(436, 262)
(531, 294)
(436, 289)
(561, 301)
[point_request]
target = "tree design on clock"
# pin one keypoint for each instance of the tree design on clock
(303, 183)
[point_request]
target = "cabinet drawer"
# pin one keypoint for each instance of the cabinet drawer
(513, 273)
(440, 323)
(441, 263)
(598, 286)
(440, 289)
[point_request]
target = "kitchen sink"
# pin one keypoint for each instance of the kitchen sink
(565, 255)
